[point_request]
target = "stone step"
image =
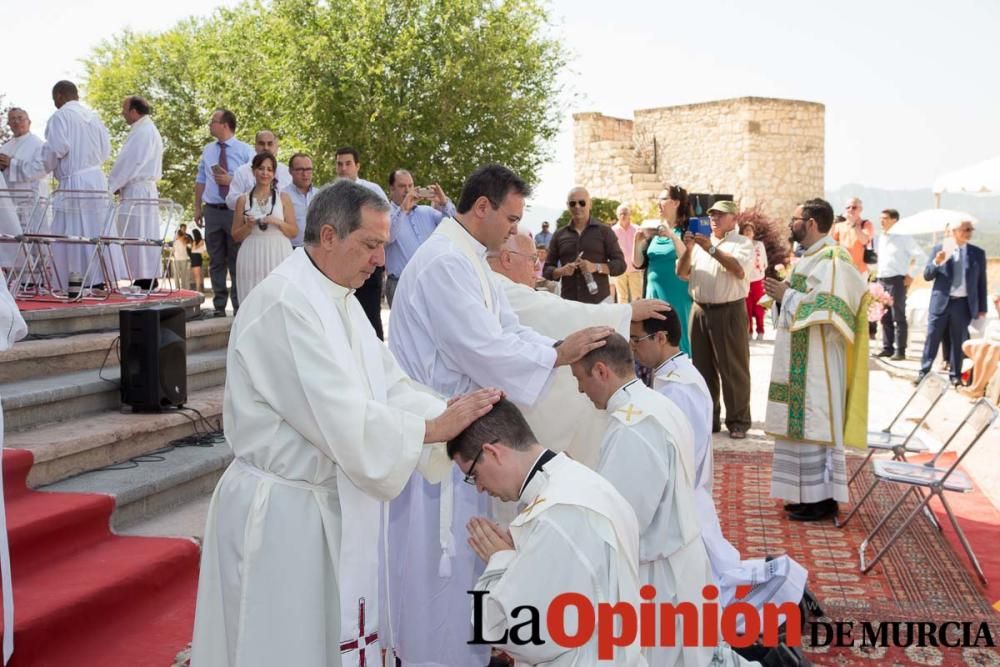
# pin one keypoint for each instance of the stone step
(184, 520)
(151, 488)
(33, 359)
(29, 403)
(62, 320)
(73, 447)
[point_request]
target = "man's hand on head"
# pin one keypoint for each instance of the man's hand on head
(645, 309)
(579, 343)
(461, 411)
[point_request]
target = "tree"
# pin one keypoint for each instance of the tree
(603, 210)
(436, 86)
(5, 133)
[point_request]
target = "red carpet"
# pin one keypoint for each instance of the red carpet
(113, 300)
(923, 578)
(83, 596)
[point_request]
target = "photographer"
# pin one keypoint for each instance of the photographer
(410, 223)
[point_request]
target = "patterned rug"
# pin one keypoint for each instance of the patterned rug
(922, 578)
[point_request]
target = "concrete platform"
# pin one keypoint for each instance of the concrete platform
(152, 487)
(46, 357)
(62, 319)
(70, 448)
(29, 403)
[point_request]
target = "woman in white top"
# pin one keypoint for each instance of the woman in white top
(181, 260)
(264, 221)
(755, 311)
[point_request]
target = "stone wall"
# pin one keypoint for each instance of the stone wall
(761, 150)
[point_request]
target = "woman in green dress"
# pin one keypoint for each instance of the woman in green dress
(659, 251)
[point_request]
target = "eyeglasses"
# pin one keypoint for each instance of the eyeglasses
(635, 341)
(470, 477)
(582, 203)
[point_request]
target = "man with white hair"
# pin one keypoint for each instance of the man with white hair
(958, 296)
(563, 418)
(18, 153)
(628, 286)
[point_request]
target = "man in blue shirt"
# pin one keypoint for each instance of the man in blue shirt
(410, 223)
(369, 294)
(219, 160)
(544, 237)
(301, 191)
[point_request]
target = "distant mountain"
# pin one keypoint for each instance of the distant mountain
(908, 202)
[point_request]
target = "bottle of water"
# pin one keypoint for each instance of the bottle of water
(588, 278)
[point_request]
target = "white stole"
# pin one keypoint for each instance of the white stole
(458, 235)
(357, 575)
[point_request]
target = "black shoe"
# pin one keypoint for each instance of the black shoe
(884, 353)
(793, 507)
(824, 509)
(898, 357)
(957, 383)
(717, 428)
(219, 313)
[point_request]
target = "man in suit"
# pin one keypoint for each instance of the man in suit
(958, 296)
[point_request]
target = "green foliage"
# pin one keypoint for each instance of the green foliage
(5, 133)
(600, 209)
(438, 87)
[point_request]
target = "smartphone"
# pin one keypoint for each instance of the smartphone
(948, 245)
(216, 169)
(700, 225)
(424, 192)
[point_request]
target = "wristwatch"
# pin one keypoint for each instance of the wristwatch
(711, 250)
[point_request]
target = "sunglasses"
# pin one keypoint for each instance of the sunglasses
(582, 203)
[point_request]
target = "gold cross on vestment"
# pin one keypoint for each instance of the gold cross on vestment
(532, 505)
(629, 412)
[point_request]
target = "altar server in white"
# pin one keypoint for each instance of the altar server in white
(325, 427)
(452, 329)
(12, 329)
(75, 149)
(17, 155)
(138, 167)
(656, 345)
(562, 418)
(648, 455)
(577, 534)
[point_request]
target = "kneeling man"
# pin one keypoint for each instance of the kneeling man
(575, 535)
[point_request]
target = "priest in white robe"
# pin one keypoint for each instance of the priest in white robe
(452, 329)
(325, 428)
(648, 455)
(138, 167)
(656, 345)
(818, 396)
(573, 518)
(562, 417)
(12, 329)
(75, 149)
(16, 156)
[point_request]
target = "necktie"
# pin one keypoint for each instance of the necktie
(957, 269)
(224, 163)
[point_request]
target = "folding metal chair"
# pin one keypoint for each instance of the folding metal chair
(916, 408)
(74, 213)
(129, 230)
(936, 480)
(21, 212)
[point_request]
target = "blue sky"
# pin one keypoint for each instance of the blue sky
(910, 88)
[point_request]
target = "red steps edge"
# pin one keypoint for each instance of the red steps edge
(83, 595)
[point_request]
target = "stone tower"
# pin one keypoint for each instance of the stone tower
(759, 149)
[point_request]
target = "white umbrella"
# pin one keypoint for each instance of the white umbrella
(983, 177)
(931, 221)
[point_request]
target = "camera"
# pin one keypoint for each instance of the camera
(261, 225)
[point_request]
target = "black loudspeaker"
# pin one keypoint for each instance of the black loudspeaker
(153, 357)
